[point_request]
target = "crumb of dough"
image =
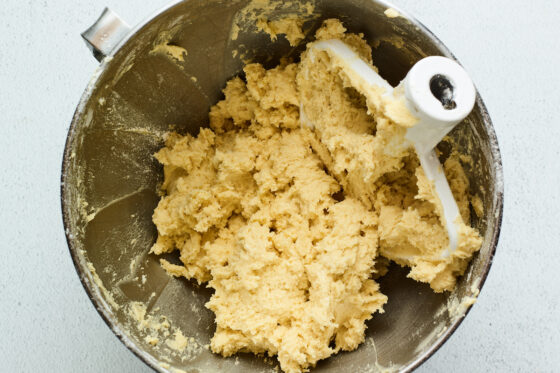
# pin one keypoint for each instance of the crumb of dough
(478, 206)
(287, 223)
(151, 340)
(173, 51)
(289, 26)
(391, 13)
(179, 341)
(163, 47)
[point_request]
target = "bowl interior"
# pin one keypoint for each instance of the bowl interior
(111, 179)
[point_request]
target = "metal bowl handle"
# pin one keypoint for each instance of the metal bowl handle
(104, 35)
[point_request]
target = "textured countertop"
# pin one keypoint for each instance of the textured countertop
(511, 49)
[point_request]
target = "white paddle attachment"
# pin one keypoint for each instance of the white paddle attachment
(437, 91)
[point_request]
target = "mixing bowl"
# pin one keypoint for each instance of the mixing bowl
(110, 178)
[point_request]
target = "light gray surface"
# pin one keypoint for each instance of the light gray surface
(510, 48)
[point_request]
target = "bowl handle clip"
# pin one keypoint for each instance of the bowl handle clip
(105, 34)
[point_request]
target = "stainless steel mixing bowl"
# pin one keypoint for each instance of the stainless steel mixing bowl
(110, 179)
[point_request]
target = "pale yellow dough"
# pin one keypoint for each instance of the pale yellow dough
(287, 223)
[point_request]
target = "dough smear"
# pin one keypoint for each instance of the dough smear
(290, 225)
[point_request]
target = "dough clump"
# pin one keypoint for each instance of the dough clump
(290, 225)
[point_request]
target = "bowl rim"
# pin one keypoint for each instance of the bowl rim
(86, 277)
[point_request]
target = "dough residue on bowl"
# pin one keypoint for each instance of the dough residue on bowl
(392, 13)
(289, 26)
(290, 225)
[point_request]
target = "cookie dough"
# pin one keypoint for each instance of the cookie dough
(290, 225)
